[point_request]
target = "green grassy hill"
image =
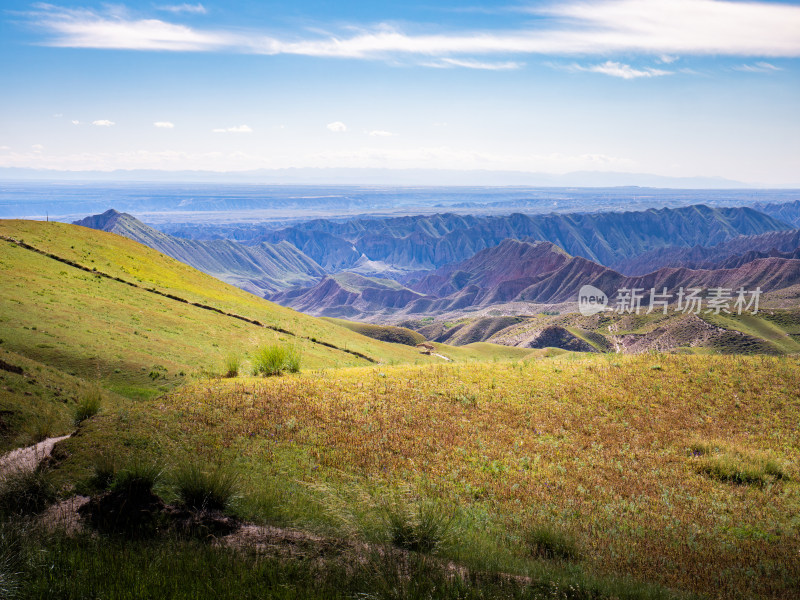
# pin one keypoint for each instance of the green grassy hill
(147, 337)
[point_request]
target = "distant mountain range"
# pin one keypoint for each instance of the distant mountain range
(369, 268)
(423, 243)
(728, 254)
(522, 272)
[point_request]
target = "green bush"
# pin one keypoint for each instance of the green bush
(421, 526)
(275, 359)
(26, 491)
(87, 407)
(545, 541)
(233, 363)
(735, 465)
(201, 489)
(742, 470)
(104, 472)
(137, 480)
(44, 427)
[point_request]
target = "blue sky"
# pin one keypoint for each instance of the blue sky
(671, 87)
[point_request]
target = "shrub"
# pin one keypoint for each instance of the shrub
(275, 359)
(742, 470)
(44, 427)
(129, 507)
(545, 541)
(233, 362)
(26, 491)
(200, 489)
(734, 465)
(421, 526)
(137, 480)
(105, 470)
(87, 407)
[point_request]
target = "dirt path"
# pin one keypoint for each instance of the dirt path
(28, 458)
(440, 356)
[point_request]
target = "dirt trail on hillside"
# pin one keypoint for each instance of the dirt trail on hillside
(29, 457)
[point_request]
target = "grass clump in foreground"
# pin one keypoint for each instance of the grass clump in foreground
(26, 491)
(545, 541)
(232, 366)
(732, 465)
(87, 407)
(274, 359)
(200, 489)
(418, 526)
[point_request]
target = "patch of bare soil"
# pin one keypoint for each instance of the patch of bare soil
(65, 515)
(29, 457)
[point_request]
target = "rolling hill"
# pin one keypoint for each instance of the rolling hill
(100, 306)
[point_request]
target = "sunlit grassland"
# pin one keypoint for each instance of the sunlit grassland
(131, 261)
(604, 448)
(136, 342)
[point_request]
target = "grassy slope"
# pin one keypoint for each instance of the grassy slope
(600, 447)
(102, 329)
(40, 401)
(130, 341)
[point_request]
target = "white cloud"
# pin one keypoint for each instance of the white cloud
(197, 9)
(5, 148)
(380, 133)
(337, 127)
(759, 67)
(37, 147)
(586, 27)
(615, 69)
(164, 125)
(103, 123)
(115, 29)
(74, 122)
(476, 64)
(235, 129)
(58, 115)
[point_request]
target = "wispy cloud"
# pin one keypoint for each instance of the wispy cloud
(103, 123)
(446, 63)
(380, 133)
(235, 129)
(759, 67)
(197, 9)
(337, 127)
(616, 69)
(164, 125)
(576, 27)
